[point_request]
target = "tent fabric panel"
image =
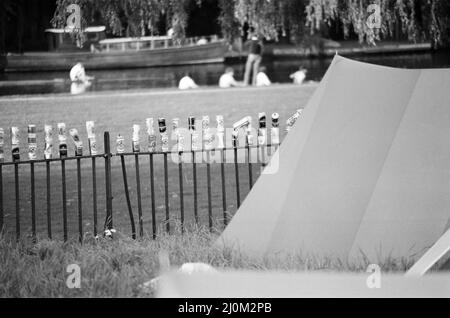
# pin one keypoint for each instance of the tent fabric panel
(409, 209)
(340, 163)
(252, 226)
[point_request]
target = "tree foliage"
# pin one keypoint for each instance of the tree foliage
(417, 19)
(129, 17)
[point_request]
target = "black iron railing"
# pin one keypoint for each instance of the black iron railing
(91, 164)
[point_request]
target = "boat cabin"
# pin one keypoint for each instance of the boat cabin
(153, 42)
(63, 40)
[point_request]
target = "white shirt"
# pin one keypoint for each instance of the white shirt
(187, 83)
(227, 80)
(262, 79)
(77, 73)
(298, 77)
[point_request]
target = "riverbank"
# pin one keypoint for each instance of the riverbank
(206, 75)
(329, 48)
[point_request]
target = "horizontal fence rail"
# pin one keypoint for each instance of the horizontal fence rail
(144, 191)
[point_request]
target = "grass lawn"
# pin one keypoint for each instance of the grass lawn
(117, 267)
(116, 112)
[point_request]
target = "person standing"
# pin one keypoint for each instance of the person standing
(254, 59)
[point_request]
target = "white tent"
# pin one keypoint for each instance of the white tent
(364, 173)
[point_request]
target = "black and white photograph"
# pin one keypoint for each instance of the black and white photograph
(224, 154)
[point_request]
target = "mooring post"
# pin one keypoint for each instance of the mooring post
(108, 186)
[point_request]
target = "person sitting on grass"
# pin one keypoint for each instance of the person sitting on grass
(261, 78)
(187, 82)
(78, 74)
(299, 76)
(80, 81)
(227, 79)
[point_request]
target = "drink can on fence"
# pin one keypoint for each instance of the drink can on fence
(246, 123)
(48, 149)
(191, 123)
(178, 136)
(90, 128)
(62, 138)
(175, 125)
(249, 132)
(120, 144)
(32, 143)
(208, 138)
(262, 131)
(194, 135)
(77, 141)
(151, 135)
(220, 132)
(2, 142)
(275, 120)
(275, 132)
(15, 140)
(135, 139)
(292, 120)
(164, 135)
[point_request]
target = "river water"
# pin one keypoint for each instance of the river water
(205, 75)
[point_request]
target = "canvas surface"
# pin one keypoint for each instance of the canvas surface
(364, 172)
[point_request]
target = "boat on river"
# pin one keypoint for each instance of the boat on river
(117, 53)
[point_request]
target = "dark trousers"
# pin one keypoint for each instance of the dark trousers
(253, 62)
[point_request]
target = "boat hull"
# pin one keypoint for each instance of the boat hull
(195, 54)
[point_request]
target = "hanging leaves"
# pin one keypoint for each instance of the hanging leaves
(418, 20)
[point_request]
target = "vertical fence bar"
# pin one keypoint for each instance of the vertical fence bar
(262, 140)
(78, 153)
(92, 142)
(80, 202)
(224, 192)
(250, 166)
(1, 199)
(166, 193)
(49, 204)
(108, 186)
(48, 154)
(208, 182)
(63, 155)
(180, 148)
(152, 193)
(180, 175)
(32, 146)
(236, 171)
(194, 176)
(33, 201)
(152, 143)
(64, 196)
(138, 192)
(136, 149)
(221, 146)
(17, 195)
(263, 157)
(2, 158)
(194, 141)
(248, 143)
(127, 197)
(94, 194)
